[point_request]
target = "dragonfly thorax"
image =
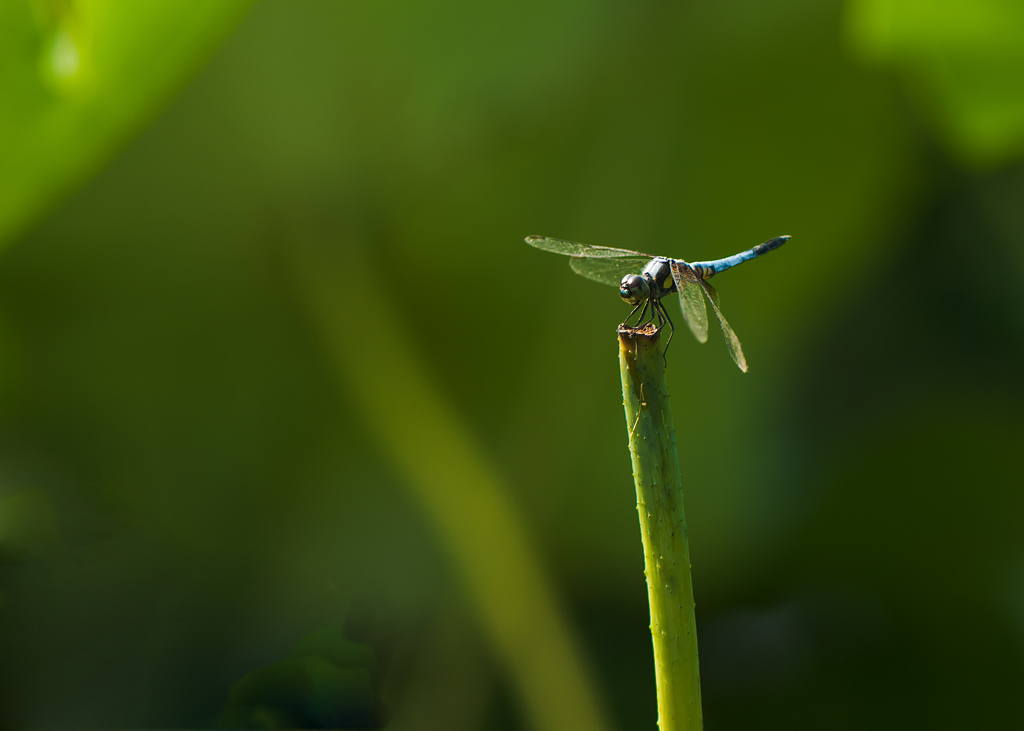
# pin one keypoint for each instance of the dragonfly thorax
(654, 282)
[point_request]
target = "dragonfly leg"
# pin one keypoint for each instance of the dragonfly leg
(671, 330)
(632, 312)
(643, 314)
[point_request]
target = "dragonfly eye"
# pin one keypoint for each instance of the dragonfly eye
(634, 289)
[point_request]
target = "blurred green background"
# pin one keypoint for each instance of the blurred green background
(295, 430)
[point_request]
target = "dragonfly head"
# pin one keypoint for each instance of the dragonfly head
(634, 289)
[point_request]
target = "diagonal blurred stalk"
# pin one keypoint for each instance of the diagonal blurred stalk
(659, 502)
(445, 469)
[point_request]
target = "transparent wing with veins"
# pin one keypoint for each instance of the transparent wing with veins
(731, 341)
(600, 263)
(691, 299)
(608, 271)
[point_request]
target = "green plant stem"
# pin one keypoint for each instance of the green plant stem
(659, 495)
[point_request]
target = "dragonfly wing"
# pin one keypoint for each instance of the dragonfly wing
(608, 270)
(571, 248)
(691, 298)
(731, 341)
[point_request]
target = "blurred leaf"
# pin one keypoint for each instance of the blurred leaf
(78, 76)
(965, 58)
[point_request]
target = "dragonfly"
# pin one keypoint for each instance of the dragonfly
(644, 279)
